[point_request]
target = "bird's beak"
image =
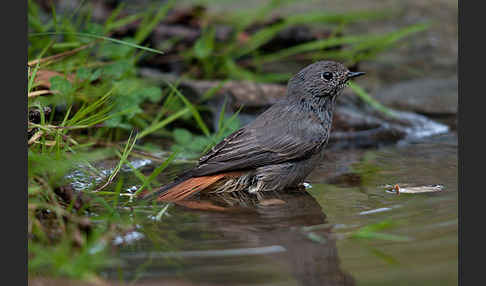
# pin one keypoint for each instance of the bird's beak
(354, 74)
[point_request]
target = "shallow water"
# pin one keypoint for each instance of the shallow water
(347, 230)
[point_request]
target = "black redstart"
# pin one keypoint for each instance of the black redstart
(275, 151)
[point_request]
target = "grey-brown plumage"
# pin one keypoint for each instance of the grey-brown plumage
(279, 148)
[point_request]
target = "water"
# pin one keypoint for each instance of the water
(347, 230)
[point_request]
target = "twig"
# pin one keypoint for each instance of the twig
(41, 92)
(36, 136)
(58, 56)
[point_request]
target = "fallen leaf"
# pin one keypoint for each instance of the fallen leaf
(42, 77)
(406, 189)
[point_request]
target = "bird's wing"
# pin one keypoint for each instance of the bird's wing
(273, 142)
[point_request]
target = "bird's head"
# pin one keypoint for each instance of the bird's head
(321, 79)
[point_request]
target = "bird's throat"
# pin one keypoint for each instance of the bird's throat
(321, 107)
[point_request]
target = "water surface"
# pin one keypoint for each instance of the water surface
(347, 230)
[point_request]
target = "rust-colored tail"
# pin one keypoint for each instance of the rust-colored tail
(178, 191)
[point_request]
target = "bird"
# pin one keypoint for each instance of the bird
(276, 151)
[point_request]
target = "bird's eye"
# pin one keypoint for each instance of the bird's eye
(326, 75)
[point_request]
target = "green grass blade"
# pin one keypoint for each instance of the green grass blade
(113, 16)
(136, 172)
(158, 217)
(212, 91)
(30, 83)
(311, 46)
(99, 38)
(116, 195)
(221, 114)
(156, 172)
(124, 157)
(122, 22)
(379, 235)
(250, 17)
(193, 110)
(258, 39)
(320, 17)
(369, 100)
(163, 123)
(144, 30)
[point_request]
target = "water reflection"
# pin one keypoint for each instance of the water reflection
(310, 262)
(264, 245)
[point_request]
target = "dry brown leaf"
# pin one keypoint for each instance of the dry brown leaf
(42, 77)
(407, 189)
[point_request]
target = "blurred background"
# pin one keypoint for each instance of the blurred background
(124, 95)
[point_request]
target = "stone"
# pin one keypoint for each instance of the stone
(426, 96)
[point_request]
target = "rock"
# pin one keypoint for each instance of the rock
(426, 96)
(246, 93)
(355, 124)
